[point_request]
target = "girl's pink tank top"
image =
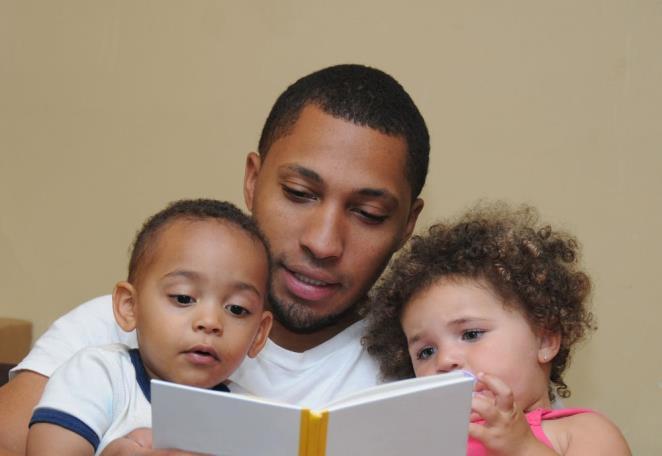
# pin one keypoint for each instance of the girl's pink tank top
(535, 419)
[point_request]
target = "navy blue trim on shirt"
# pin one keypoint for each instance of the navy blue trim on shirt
(143, 378)
(141, 374)
(67, 421)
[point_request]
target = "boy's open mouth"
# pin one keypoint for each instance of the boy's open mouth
(203, 352)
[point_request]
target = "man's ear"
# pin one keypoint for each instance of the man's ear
(414, 212)
(262, 334)
(548, 347)
(124, 306)
(253, 164)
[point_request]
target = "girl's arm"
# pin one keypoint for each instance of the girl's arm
(505, 431)
(49, 439)
(594, 434)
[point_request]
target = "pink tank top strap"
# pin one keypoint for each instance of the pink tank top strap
(536, 417)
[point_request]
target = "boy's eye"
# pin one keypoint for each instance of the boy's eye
(235, 309)
(425, 353)
(182, 299)
(472, 334)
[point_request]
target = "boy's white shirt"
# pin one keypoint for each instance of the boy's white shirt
(312, 378)
(99, 387)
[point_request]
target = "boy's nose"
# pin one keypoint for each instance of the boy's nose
(208, 322)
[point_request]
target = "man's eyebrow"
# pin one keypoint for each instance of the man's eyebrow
(380, 193)
(305, 172)
(308, 173)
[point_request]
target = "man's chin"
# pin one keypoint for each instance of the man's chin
(297, 319)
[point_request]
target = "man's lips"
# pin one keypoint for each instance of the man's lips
(310, 286)
(202, 355)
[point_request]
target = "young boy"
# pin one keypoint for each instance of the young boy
(195, 293)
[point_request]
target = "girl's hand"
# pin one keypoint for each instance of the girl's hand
(505, 431)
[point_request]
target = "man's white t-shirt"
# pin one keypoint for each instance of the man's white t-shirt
(312, 378)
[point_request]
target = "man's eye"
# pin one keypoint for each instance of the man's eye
(235, 309)
(298, 194)
(425, 353)
(182, 299)
(369, 217)
(472, 334)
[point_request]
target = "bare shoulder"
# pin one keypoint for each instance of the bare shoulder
(586, 434)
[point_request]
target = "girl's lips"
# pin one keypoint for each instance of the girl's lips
(308, 288)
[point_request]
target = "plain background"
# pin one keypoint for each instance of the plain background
(111, 109)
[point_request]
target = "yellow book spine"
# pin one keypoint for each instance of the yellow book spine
(312, 433)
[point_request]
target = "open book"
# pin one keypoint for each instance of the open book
(420, 416)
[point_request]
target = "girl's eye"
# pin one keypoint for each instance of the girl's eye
(472, 334)
(182, 299)
(425, 353)
(235, 309)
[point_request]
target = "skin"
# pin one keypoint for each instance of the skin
(212, 303)
(463, 324)
(333, 200)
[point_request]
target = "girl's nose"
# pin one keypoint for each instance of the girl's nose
(449, 360)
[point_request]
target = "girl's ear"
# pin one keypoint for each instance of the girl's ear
(124, 306)
(262, 333)
(548, 347)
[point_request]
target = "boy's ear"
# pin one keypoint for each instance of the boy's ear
(549, 345)
(262, 333)
(124, 306)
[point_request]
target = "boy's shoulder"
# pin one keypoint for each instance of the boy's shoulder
(111, 358)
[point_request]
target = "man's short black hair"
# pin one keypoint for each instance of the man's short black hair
(364, 96)
(193, 210)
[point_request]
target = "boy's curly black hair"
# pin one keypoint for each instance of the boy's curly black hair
(527, 264)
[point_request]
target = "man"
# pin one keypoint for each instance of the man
(334, 186)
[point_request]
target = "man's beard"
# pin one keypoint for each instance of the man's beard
(298, 319)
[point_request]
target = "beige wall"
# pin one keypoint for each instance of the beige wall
(110, 109)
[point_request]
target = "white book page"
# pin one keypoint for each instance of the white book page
(398, 388)
(432, 421)
(218, 423)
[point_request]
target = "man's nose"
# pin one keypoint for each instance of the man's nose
(323, 233)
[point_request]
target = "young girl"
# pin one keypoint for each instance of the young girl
(501, 296)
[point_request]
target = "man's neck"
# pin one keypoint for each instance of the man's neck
(298, 342)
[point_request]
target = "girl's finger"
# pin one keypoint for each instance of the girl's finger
(485, 408)
(477, 431)
(505, 401)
